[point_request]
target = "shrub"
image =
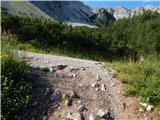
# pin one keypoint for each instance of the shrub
(15, 85)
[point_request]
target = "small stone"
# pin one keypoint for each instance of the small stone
(143, 104)
(149, 108)
(74, 116)
(103, 88)
(79, 102)
(33, 119)
(74, 75)
(91, 117)
(124, 105)
(52, 69)
(83, 68)
(81, 108)
(61, 67)
(93, 84)
(113, 84)
(35, 103)
(96, 89)
(56, 96)
(74, 95)
(98, 78)
(68, 102)
(141, 110)
(80, 85)
(44, 118)
(119, 91)
(101, 113)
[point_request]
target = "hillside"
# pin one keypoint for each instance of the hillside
(73, 12)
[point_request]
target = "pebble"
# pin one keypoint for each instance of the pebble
(91, 117)
(113, 84)
(35, 103)
(56, 96)
(83, 68)
(81, 108)
(149, 108)
(98, 78)
(44, 118)
(101, 113)
(141, 110)
(51, 69)
(103, 88)
(74, 75)
(96, 89)
(93, 84)
(68, 102)
(74, 116)
(119, 91)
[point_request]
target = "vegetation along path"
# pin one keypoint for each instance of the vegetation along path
(69, 88)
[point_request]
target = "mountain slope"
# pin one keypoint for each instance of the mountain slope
(23, 8)
(65, 11)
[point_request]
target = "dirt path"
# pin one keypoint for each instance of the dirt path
(78, 76)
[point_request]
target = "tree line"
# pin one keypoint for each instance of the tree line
(126, 37)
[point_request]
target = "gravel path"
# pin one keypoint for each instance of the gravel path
(78, 76)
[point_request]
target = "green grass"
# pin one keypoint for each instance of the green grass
(140, 80)
(15, 85)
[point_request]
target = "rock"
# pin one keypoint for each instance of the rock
(56, 96)
(103, 88)
(74, 95)
(98, 78)
(81, 108)
(119, 91)
(101, 113)
(47, 91)
(52, 69)
(79, 102)
(61, 67)
(93, 84)
(149, 108)
(83, 68)
(141, 110)
(44, 118)
(96, 89)
(113, 84)
(35, 103)
(74, 116)
(91, 117)
(74, 75)
(68, 102)
(143, 104)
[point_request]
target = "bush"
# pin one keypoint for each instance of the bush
(15, 77)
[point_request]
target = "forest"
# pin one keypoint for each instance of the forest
(123, 38)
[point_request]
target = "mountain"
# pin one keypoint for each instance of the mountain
(23, 8)
(102, 17)
(65, 11)
(72, 12)
(122, 12)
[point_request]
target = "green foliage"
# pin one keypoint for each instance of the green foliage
(123, 38)
(142, 80)
(15, 85)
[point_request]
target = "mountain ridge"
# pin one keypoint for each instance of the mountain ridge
(73, 11)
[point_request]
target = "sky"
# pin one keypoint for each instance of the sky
(115, 3)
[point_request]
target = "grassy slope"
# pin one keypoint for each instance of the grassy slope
(141, 80)
(25, 8)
